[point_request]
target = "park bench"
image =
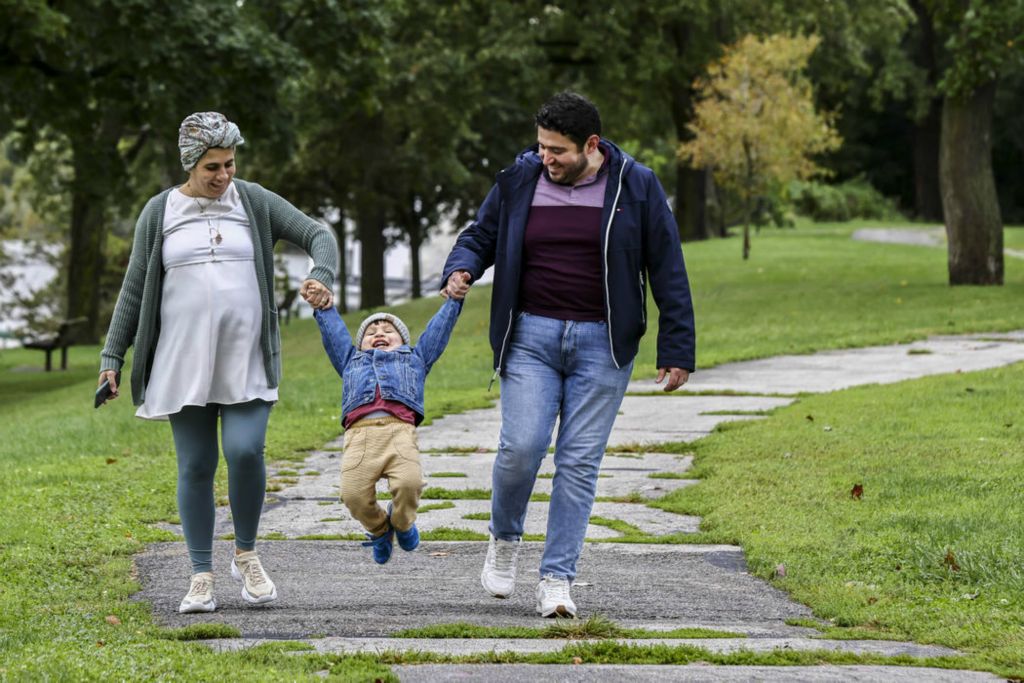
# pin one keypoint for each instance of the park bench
(67, 335)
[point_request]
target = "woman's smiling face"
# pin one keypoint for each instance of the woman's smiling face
(213, 172)
(380, 335)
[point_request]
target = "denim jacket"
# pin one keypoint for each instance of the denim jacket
(400, 374)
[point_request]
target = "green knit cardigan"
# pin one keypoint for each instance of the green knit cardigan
(136, 319)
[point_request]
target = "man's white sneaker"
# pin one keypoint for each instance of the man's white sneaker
(553, 598)
(257, 588)
(200, 595)
(499, 575)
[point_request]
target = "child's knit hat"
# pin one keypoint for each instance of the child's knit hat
(403, 331)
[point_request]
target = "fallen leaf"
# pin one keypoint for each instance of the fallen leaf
(111, 461)
(969, 390)
(100, 643)
(780, 570)
(857, 492)
(872, 600)
(950, 561)
(112, 620)
(810, 418)
(577, 660)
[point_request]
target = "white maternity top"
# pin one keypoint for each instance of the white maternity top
(210, 313)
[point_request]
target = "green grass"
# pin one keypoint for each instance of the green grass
(451, 475)
(80, 488)
(596, 626)
(446, 505)
(933, 551)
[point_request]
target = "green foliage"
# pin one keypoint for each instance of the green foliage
(983, 38)
(841, 202)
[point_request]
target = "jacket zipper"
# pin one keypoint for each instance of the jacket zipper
(501, 356)
(643, 301)
(607, 294)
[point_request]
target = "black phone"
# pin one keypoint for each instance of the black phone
(104, 392)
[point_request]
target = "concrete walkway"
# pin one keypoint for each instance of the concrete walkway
(335, 599)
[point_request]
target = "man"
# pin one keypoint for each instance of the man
(575, 229)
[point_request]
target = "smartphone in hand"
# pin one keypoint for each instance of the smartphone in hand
(105, 392)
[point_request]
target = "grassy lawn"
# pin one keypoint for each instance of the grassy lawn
(80, 488)
(932, 551)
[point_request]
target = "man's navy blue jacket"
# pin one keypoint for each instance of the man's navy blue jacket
(639, 243)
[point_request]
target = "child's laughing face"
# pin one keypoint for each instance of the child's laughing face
(380, 335)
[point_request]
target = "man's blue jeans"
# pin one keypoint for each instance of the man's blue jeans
(564, 369)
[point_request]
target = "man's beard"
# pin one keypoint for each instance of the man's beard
(572, 173)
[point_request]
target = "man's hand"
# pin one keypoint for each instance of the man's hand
(676, 377)
(458, 285)
(110, 375)
(316, 294)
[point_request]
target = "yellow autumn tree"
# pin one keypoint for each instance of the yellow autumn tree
(755, 125)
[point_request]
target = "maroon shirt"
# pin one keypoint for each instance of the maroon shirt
(562, 250)
(396, 408)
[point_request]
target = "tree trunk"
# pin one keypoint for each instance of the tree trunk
(927, 136)
(690, 199)
(372, 221)
(94, 167)
(339, 231)
(974, 226)
(415, 242)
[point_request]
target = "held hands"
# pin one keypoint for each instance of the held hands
(458, 285)
(676, 377)
(110, 375)
(316, 294)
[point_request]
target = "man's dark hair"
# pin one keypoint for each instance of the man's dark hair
(571, 115)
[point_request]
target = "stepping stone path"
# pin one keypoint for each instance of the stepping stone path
(334, 598)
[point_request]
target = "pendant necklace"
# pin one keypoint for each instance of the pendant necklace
(213, 227)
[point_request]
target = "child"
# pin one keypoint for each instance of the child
(381, 403)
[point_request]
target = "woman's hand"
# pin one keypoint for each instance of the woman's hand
(111, 376)
(316, 294)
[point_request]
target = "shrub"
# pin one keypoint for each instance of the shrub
(854, 198)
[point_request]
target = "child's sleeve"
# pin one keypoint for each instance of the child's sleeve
(439, 330)
(336, 337)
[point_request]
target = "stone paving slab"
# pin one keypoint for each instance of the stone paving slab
(298, 518)
(478, 646)
(833, 370)
(310, 507)
(641, 420)
(333, 588)
(620, 474)
(629, 673)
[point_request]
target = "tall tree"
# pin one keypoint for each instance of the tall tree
(755, 125)
(107, 76)
(983, 40)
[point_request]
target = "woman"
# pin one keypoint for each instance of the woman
(197, 304)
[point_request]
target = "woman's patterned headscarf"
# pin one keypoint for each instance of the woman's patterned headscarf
(203, 130)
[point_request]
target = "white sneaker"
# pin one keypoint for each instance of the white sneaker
(257, 588)
(499, 575)
(200, 595)
(553, 598)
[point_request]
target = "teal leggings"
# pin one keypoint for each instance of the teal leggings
(243, 433)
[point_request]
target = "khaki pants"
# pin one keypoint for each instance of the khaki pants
(379, 447)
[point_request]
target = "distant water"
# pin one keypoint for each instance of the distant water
(31, 273)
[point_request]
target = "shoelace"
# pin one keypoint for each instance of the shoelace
(558, 590)
(199, 587)
(253, 571)
(504, 556)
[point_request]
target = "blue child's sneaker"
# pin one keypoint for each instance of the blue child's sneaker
(409, 539)
(381, 545)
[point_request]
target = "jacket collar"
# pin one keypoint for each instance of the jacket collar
(527, 166)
